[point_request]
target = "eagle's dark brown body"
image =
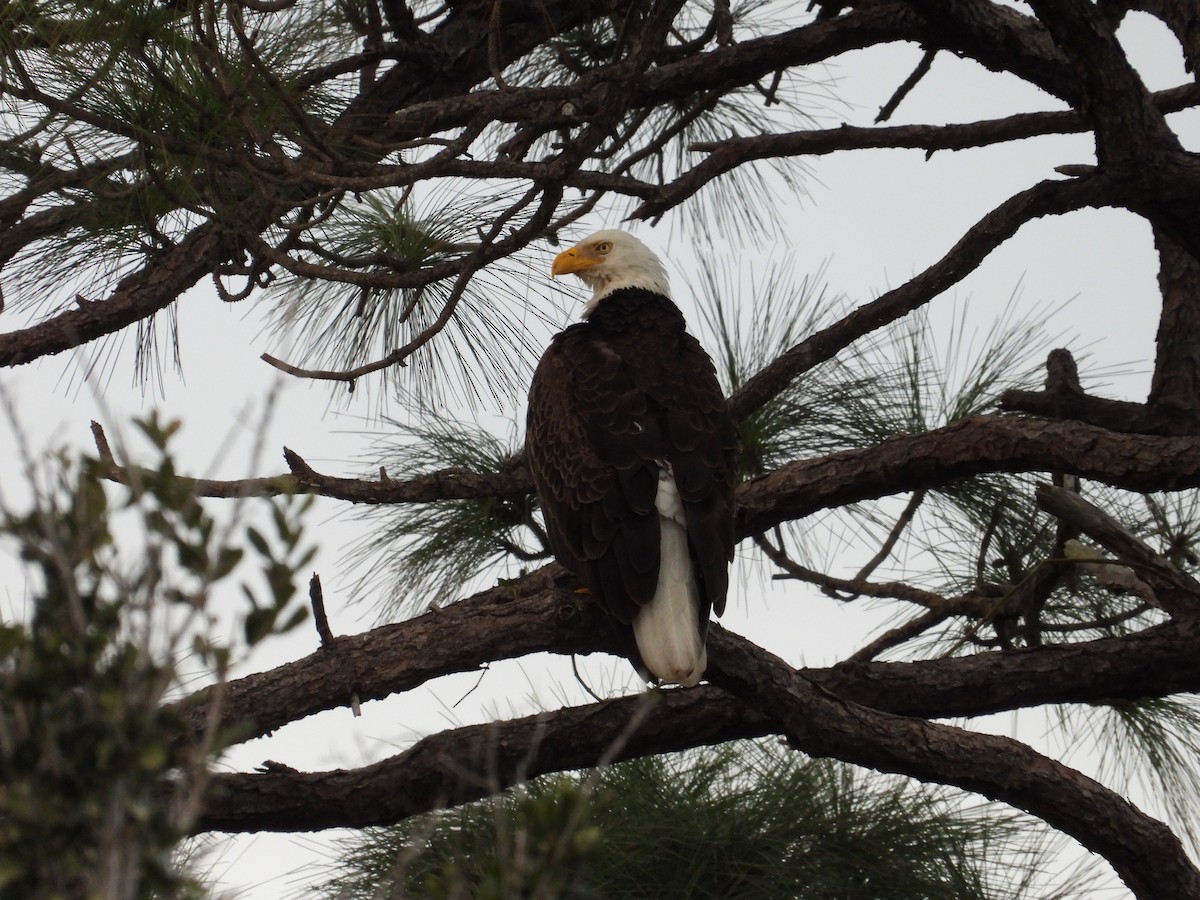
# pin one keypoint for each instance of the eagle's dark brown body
(614, 400)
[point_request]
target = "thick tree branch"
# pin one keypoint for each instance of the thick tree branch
(541, 612)
(723, 156)
(1149, 858)
(464, 764)
(970, 447)
(1001, 39)
(525, 616)
(1175, 387)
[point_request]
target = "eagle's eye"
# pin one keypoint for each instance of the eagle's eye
(604, 247)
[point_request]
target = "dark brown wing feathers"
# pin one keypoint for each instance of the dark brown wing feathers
(611, 398)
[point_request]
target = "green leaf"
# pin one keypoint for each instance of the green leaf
(258, 624)
(259, 543)
(227, 560)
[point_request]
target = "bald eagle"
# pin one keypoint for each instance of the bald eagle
(632, 451)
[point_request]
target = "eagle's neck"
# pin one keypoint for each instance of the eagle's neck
(648, 276)
(637, 310)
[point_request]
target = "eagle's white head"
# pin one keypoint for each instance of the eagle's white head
(610, 260)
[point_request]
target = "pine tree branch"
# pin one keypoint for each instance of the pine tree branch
(1149, 858)
(163, 278)
(407, 101)
(820, 712)
(906, 86)
(542, 613)
(973, 446)
(724, 156)
(137, 296)
(970, 447)
(463, 764)
(852, 588)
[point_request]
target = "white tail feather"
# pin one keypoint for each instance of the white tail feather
(667, 628)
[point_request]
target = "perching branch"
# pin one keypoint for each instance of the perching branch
(905, 463)
(541, 612)
(822, 711)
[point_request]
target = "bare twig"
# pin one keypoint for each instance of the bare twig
(102, 448)
(900, 634)
(854, 588)
(583, 684)
(906, 517)
(906, 86)
(316, 597)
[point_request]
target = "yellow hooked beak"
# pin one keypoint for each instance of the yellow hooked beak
(573, 260)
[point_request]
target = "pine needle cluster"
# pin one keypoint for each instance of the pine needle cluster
(748, 820)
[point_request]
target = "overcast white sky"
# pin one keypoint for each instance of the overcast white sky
(875, 217)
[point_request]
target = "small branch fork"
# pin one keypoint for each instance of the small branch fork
(1064, 398)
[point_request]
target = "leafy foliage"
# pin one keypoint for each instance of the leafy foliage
(87, 741)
